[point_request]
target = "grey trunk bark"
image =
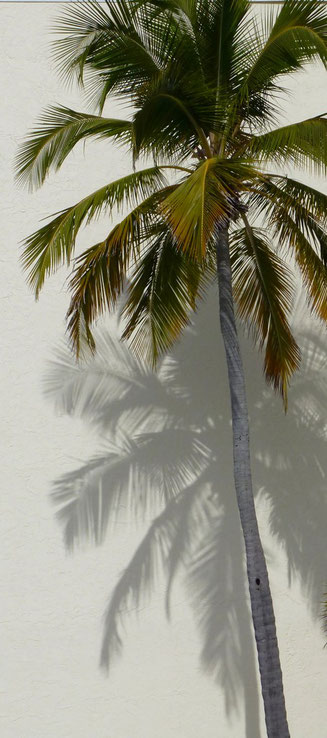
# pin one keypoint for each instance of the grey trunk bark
(260, 596)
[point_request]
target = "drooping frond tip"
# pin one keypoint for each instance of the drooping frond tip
(59, 131)
(264, 296)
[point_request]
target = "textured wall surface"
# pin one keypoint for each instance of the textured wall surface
(55, 419)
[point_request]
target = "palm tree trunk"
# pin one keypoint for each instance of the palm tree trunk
(261, 602)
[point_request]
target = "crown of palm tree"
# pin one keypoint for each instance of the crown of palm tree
(202, 78)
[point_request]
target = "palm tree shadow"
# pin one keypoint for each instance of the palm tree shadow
(168, 456)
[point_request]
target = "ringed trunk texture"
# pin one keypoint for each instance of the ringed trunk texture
(260, 596)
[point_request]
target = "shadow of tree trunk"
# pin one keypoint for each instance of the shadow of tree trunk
(167, 455)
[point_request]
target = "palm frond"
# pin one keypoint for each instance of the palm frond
(312, 267)
(100, 272)
(80, 30)
(60, 130)
(122, 46)
(53, 244)
(164, 123)
(204, 199)
(303, 144)
(264, 294)
(321, 237)
(162, 293)
(222, 25)
(122, 65)
(303, 202)
(285, 41)
(300, 198)
(297, 217)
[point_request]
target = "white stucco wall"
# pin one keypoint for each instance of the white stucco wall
(52, 603)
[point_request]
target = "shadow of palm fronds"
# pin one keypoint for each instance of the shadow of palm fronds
(166, 460)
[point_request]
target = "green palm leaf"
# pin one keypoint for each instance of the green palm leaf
(264, 294)
(100, 272)
(297, 217)
(85, 27)
(284, 42)
(305, 203)
(162, 293)
(313, 269)
(53, 244)
(302, 144)
(193, 209)
(301, 197)
(121, 45)
(60, 130)
(164, 122)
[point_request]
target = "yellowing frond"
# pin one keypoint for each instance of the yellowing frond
(203, 201)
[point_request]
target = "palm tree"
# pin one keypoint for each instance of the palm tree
(202, 78)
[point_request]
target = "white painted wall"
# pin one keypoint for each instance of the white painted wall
(52, 603)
